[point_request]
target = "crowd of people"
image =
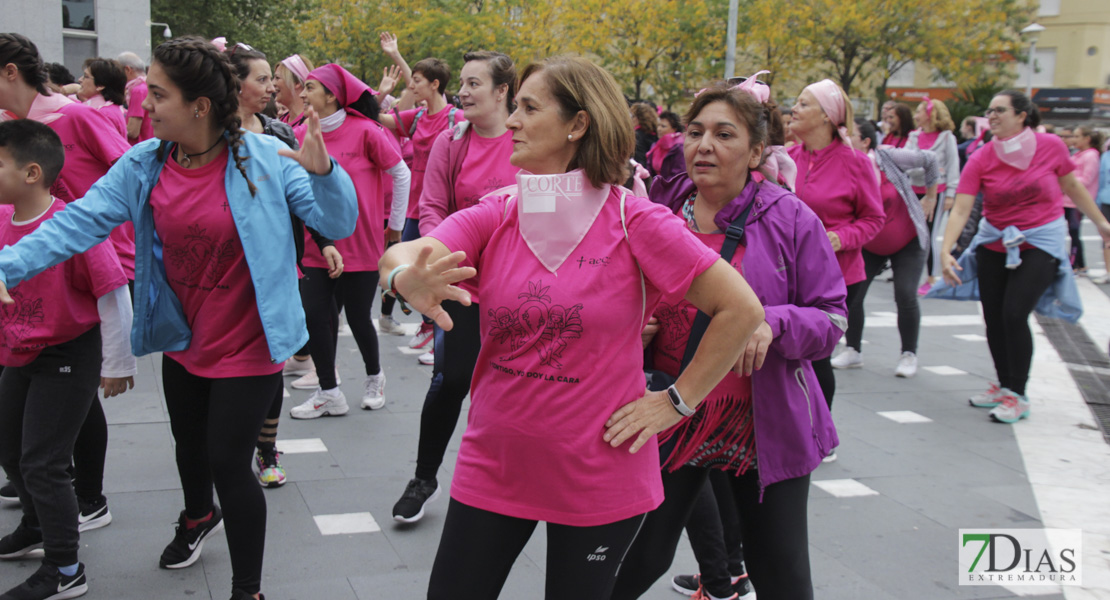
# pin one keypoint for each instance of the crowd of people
(224, 208)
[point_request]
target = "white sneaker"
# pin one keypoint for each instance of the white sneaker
(388, 325)
(428, 358)
(1101, 279)
(311, 381)
(423, 336)
(297, 368)
(374, 398)
(831, 458)
(907, 365)
(285, 392)
(1011, 409)
(322, 403)
(848, 359)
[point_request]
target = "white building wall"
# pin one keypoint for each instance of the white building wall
(121, 25)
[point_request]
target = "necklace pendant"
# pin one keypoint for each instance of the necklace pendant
(185, 161)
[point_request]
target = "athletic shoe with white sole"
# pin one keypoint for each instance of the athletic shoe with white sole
(988, 399)
(907, 365)
(1011, 408)
(48, 583)
(423, 336)
(21, 542)
(270, 472)
(831, 458)
(297, 368)
(427, 359)
(690, 584)
(374, 397)
(92, 513)
(187, 542)
(8, 497)
(418, 493)
(322, 403)
(848, 359)
(389, 326)
(311, 381)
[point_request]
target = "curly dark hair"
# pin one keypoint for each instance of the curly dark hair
(199, 69)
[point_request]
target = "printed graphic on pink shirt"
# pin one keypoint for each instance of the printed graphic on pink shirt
(536, 325)
(201, 260)
(19, 319)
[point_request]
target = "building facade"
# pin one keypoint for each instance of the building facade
(69, 31)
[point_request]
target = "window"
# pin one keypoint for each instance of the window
(903, 77)
(1044, 74)
(1049, 8)
(79, 14)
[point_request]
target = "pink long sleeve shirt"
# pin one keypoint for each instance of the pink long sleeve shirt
(839, 184)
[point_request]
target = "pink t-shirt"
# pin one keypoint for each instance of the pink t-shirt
(1011, 196)
(899, 229)
(1086, 171)
(58, 304)
(113, 112)
(363, 148)
(925, 141)
(559, 355)
(428, 128)
(485, 168)
(839, 184)
(92, 146)
(135, 110)
(208, 272)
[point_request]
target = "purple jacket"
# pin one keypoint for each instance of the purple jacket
(792, 268)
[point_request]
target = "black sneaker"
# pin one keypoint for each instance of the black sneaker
(92, 514)
(743, 589)
(8, 497)
(187, 543)
(686, 584)
(21, 541)
(241, 595)
(418, 493)
(48, 583)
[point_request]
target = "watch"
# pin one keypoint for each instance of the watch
(677, 403)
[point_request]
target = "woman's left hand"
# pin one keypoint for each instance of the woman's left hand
(313, 154)
(834, 239)
(642, 418)
(335, 261)
(756, 351)
(114, 386)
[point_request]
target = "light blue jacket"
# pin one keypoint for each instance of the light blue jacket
(326, 203)
(1103, 196)
(1060, 300)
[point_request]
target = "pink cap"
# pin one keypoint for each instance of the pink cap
(346, 87)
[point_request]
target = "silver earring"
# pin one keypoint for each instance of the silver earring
(196, 113)
(570, 138)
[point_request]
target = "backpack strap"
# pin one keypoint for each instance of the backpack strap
(451, 117)
(415, 120)
(643, 282)
(457, 146)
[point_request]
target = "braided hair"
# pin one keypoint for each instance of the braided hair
(20, 51)
(199, 69)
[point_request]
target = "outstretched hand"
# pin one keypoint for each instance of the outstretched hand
(313, 154)
(425, 286)
(389, 43)
(390, 76)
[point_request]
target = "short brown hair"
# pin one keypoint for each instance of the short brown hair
(578, 84)
(434, 69)
(645, 116)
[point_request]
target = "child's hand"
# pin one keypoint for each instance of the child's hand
(114, 386)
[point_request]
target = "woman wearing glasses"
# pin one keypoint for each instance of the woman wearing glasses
(1020, 252)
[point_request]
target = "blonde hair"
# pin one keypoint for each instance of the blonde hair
(578, 84)
(290, 75)
(645, 116)
(941, 120)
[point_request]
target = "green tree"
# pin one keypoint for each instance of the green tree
(271, 26)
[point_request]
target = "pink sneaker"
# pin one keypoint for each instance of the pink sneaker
(924, 289)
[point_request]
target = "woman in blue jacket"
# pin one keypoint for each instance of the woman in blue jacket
(215, 279)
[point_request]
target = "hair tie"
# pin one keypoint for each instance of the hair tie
(928, 106)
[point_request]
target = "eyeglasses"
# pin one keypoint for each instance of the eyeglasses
(999, 110)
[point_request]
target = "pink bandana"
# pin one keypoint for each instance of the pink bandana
(659, 151)
(778, 167)
(759, 90)
(556, 212)
(831, 101)
(340, 82)
(296, 65)
(220, 43)
(44, 109)
(1018, 150)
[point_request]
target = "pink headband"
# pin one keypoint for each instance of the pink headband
(346, 87)
(220, 43)
(296, 66)
(759, 90)
(831, 100)
(928, 106)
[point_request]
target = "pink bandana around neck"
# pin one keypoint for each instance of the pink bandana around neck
(556, 212)
(44, 109)
(1017, 151)
(778, 167)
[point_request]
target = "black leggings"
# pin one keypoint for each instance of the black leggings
(318, 294)
(89, 452)
(775, 533)
(456, 352)
(478, 548)
(1075, 221)
(931, 261)
(215, 424)
(715, 535)
(906, 264)
(822, 367)
(1008, 296)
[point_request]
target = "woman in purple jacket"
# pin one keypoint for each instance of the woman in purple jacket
(771, 400)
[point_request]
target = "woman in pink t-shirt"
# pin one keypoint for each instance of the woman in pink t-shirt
(362, 147)
(935, 132)
(1087, 143)
(898, 122)
(289, 76)
(839, 184)
(577, 266)
(467, 162)
(102, 87)
(1020, 174)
